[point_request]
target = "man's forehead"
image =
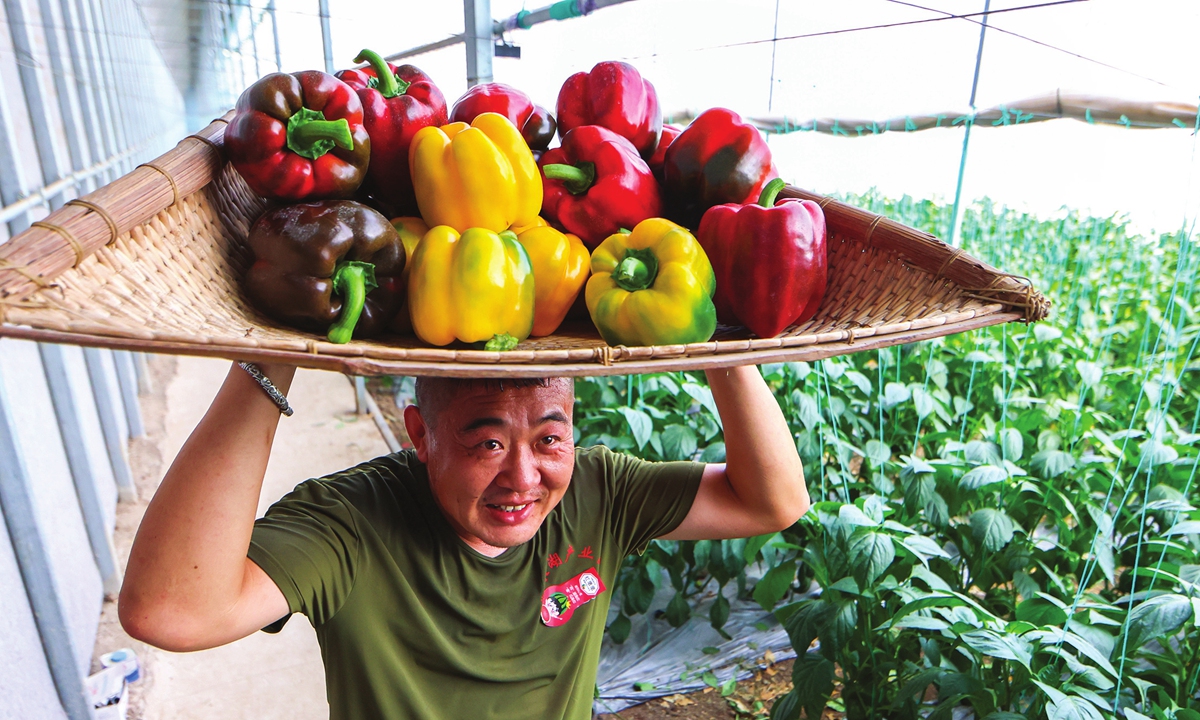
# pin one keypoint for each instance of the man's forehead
(503, 400)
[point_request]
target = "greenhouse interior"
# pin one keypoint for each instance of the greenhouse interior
(615, 359)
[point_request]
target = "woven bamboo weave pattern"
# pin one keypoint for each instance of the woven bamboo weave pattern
(153, 261)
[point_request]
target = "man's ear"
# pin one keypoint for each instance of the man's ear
(418, 431)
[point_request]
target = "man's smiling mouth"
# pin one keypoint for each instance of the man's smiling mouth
(511, 508)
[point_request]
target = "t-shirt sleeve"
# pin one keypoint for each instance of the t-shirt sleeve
(649, 499)
(308, 544)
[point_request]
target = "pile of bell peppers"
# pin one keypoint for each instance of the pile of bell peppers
(394, 213)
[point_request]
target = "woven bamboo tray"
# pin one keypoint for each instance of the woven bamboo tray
(152, 262)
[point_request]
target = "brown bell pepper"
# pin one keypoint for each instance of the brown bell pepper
(333, 266)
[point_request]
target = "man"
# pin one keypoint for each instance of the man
(468, 578)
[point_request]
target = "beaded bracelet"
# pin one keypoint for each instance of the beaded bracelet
(268, 387)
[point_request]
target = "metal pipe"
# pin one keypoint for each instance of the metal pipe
(42, 195)
(521, 21)
(33, 562)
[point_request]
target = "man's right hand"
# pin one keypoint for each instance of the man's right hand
(189, 584)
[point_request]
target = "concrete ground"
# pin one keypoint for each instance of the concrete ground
(261, 677)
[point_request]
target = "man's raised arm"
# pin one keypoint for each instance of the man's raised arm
(760, 488)
(188, 584)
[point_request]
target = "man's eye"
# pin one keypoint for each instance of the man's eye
(491, 445)
(550, 440)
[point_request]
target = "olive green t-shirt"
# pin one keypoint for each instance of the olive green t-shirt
(413, 623)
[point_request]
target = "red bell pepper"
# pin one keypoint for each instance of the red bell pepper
(397, 102)
(717, 159)
(613, 95)
(669, 133)
(595, 183)
(769, 259)
(299, 137)
(535, 122)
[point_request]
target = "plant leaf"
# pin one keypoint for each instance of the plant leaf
(1052, 463)
(992, 528)
(895, 393)
(878, 453)
(812, 678)
(999, 645)
(1156, 617)
(982, 476)
(774, 585)
(679, 442)
(871, 553)
(1013, 443)
(640, 425)
(678, 611)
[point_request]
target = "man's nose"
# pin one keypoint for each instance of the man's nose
(520, 471)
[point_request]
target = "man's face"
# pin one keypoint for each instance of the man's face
(498, 462)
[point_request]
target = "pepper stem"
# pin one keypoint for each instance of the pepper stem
(310, 135)
(576, 178)
(502, 342)
(352, 280)
(388, 85)
(767, 198)
(636, 271)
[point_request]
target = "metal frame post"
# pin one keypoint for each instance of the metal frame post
(117, 110)
(16, 506)
(12, 176)
(275, 35)
(97, 80)
(67, 412)
(84, 90)
(127, 380)
(478, 35)
(49, 159)
(326, 36)
(113, 442)
(63, 70)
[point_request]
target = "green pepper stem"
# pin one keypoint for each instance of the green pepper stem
(767, 198)
(576, 178)
(389, 85)
(351, 280)
(304, 137)
(636, 271)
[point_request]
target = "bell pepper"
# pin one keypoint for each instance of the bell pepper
(333, 266)
(596, 183)
(613, 95)
(652, 286)
(299, 137)
(477, 287)
(717, 159)
(411, 230)
(480, 175)
(669, 133)
(535, 122)
(397, 102)
(769, 259)
(560, 268)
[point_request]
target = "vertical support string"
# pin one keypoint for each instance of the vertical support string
(956, 217)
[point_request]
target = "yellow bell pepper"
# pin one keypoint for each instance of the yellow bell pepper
(652, 286)
(480, 175)
(411, 230)
(474, 287)
(560, 268)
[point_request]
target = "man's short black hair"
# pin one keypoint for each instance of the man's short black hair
(432, 393)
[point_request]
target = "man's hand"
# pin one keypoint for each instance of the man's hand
(760, 488)
(189, 584)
